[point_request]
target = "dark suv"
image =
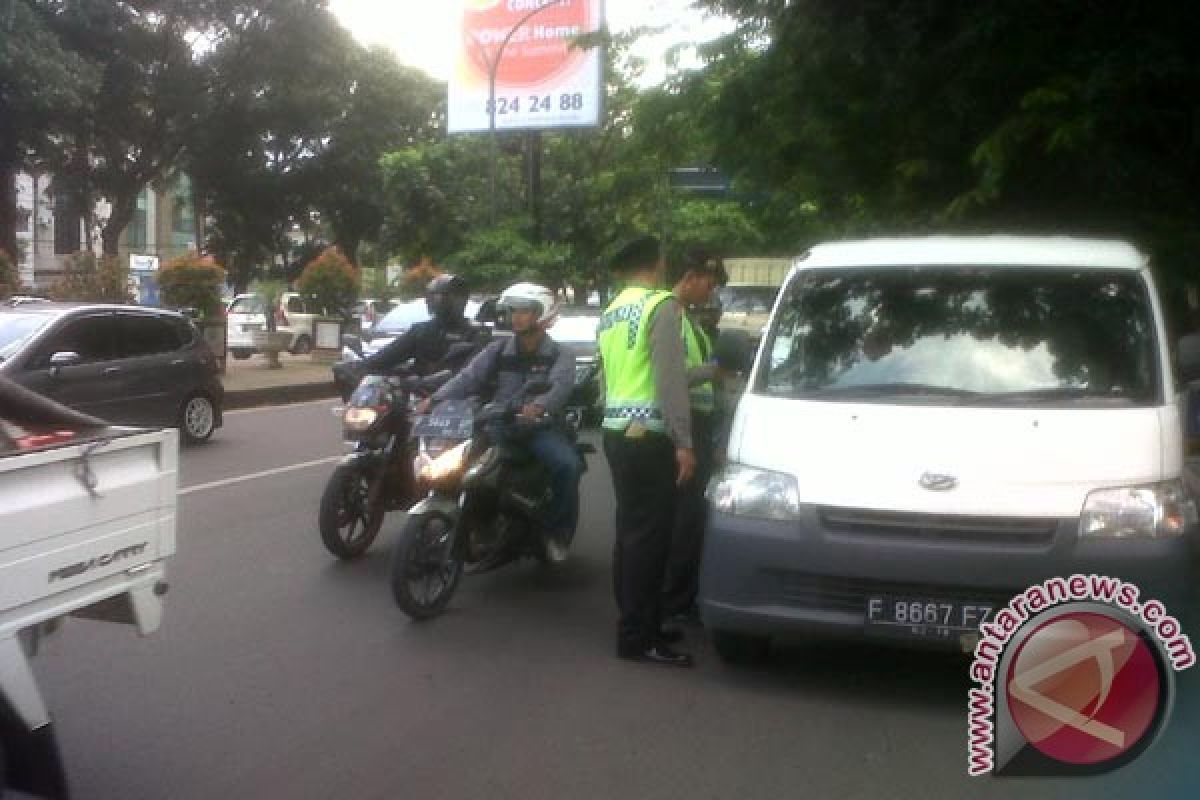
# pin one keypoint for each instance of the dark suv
(124, 364)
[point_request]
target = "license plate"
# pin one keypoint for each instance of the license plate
(444, 427)
(926, 618)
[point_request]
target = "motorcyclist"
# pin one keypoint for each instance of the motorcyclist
(510, 364)
(428, 342)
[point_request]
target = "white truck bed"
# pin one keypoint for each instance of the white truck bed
(84, 529)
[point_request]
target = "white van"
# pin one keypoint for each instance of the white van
(939, 423)
(294, 316)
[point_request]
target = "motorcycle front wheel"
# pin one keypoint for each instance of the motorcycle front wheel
(425, 568)
(349, 522)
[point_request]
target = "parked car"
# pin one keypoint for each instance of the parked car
(124, 364)
(23, 299)
(399, 319)
(575, 330)
(369, 310)
(245, 316)
(933, 425)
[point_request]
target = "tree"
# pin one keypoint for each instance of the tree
(909, 115)
(149, 96)
(192, 281)
(389, 106)
(331, 282)
(256, 161)
(436, 194)
(42, 85)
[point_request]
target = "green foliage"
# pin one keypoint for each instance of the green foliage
(192, 281)
(906, 115)
(388, 105)
(89, 279)
(436, 192)
(331, 281)
(718, 227)
(493, 258)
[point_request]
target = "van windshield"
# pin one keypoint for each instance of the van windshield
(970, 334)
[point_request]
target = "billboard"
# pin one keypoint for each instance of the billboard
(541, 80)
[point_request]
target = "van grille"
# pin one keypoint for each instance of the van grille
(938, 527)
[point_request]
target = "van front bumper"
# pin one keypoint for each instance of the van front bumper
(765, 577)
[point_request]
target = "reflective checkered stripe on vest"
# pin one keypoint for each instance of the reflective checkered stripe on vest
(623, 334)
(698, 347)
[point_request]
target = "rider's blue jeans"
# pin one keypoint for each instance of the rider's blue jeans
(555, 451)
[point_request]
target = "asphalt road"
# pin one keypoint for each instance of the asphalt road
(280, 673)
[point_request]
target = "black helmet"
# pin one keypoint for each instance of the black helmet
(446, 297)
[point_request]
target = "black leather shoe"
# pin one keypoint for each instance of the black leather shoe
(660, 654)
(669, 635)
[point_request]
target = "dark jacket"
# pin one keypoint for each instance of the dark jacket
(428, 343)
(502, 365)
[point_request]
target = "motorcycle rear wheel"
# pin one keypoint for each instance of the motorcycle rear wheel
(425, 568)
(348, 526)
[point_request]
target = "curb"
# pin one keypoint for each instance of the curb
(278, 395)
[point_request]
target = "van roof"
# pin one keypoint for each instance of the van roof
(1017, 251)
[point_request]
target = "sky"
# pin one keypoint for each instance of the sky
(422, 32)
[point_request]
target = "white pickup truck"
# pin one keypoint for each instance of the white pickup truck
(87, 520)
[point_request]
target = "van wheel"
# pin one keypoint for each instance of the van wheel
(197, 418)
(241, 353)
(741, 648)
(302, 346)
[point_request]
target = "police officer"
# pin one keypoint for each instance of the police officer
(694, 282)
(429, 342)
(648, 443)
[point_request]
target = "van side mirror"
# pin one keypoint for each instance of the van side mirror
(1189, 357)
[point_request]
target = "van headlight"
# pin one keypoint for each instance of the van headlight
(748, 492)
(1158, 510)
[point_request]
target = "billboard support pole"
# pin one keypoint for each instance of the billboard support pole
(493, 67)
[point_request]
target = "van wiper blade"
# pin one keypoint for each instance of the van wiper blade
(1050, 394)
(895, 389)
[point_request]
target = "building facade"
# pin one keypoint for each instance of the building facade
(50, 228)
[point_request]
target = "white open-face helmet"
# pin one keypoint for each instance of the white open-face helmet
(530, 297)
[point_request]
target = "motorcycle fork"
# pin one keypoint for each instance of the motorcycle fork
(380, 479)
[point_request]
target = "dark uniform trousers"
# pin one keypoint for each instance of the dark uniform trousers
(643, 472)
(691, 513)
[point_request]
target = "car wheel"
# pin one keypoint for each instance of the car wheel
(741, 648)
(302, 346)
(241, 353)
(197, 418)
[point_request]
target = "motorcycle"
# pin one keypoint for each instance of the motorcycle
(376, 475)
(486, 504)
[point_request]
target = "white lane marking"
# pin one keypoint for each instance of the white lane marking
(329, 401)
(266, 473)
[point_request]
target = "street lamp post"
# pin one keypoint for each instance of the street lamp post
(493, 65)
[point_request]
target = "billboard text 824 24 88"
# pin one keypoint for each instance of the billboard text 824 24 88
(542, 79)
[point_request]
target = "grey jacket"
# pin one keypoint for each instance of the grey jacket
(501, 362)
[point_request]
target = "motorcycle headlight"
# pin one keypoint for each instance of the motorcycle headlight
(359, 419)
(447, 466)
(749, 492)
(1159, 510)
